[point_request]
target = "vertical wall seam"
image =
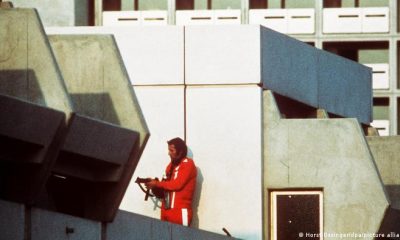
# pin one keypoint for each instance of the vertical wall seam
(184, 86)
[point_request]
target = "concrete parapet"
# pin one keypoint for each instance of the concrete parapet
(328, 154)
(133, 226)
(46, 225)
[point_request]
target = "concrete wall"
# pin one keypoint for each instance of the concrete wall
(224, 133)
(58, 13)
(385, 151)
(12, 221)
(331, 154)
(18, 223)
(28, 69)
(315, 77)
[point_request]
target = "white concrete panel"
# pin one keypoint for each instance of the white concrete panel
(227, 17)
(382, 126)
(194, 17)
(222, 54)
(342, 20)
(163, 110)
(275, 19)
(301, 21)
(224, 132)
(152, 55)
(154, 18)
(121, 18)
(380, 75)
(375, 20)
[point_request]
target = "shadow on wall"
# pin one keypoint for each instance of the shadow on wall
(22, 84)
(197, 194)
(96, 105)
(196, 199)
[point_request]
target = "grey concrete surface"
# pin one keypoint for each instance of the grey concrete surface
(345, 87)
(320, 79)
(12, 221)
(97, 81)
(386, 154)
(58, 12)
(28, 69)
(330, 154)
(289, 67)
(48, 225)
(100, 88)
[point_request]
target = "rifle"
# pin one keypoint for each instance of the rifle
(155, 192)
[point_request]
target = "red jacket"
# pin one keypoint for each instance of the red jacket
(182, 184)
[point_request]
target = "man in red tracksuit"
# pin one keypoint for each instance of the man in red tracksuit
(179, 184)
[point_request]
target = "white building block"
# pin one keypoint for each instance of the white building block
(375, 20)
(380, 75)
(154, 18)
(382, 126)
(152, 55)
(163, 110)
(227, 17)
(224, 133)
(195, 17)
(275, 19)
(121, 18)
(301, 21)
(342, 20)
(214, 57)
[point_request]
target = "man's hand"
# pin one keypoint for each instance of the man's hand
(151, 184)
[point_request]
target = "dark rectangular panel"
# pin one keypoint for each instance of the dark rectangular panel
(297, 216)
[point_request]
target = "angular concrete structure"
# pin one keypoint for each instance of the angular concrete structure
(30, 85)
(327, 154)
(30, 137)
(107, 135)
(91, 146)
